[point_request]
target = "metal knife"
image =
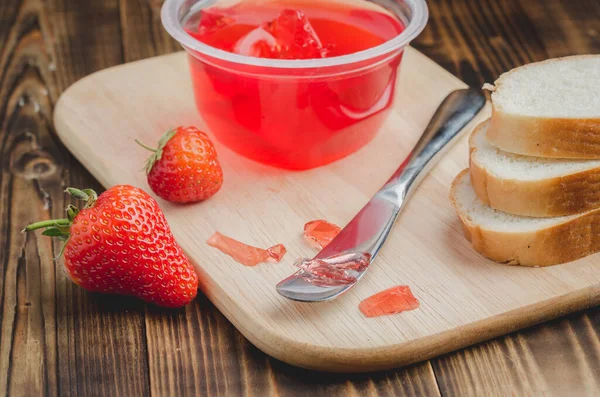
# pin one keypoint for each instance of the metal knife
(368, 230)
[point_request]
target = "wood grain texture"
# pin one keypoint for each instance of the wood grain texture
(54, 338)
(530, 363)
(465, 36)
(143, 34)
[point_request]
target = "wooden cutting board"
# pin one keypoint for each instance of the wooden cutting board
(464, 298)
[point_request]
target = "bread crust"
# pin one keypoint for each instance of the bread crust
(572, 239)
(550, 197)
(569, 138)
(545, 137)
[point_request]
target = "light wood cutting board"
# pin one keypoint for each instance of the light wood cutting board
(464, 298)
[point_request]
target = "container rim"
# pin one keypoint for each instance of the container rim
(170, 17)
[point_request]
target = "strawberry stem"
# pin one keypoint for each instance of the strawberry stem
(60, 228)
(87, 195)
(157, 153)
(48, 223)
(145, 147)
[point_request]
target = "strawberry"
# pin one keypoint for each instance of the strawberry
(184, 168)
(121, 243)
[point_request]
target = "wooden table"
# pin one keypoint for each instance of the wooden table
(56, 339)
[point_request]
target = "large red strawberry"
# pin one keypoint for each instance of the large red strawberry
(121, 243)
(184, 168)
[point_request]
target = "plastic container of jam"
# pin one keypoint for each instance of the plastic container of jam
(300, 113)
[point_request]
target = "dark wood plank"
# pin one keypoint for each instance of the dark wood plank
(28, 331)
(143, 34)
(568, 27)
(55, 339)
(560, 358)
(30, 178)
(479, 40)
(8, 16)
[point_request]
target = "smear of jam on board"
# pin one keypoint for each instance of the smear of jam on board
(390, 301)
(320, 232)
(245, 254)
(277, 252)
(333, 271)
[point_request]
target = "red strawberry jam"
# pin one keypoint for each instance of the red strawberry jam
(295, 36)
(335, 270)
(290, 117)
(320, 232)
(390, 301)
(293, 29)
(245, 254)
(212, 21)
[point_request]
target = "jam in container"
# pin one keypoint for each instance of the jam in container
(294, 83)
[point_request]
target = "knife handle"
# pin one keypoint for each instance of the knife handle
(453, 114)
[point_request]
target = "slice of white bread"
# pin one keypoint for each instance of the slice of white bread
(549, 109)
(531, 186)
(519, 240)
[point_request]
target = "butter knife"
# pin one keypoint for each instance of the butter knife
(368, 230)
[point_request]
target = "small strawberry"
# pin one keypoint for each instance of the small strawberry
(184, 168)
(121, 243)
